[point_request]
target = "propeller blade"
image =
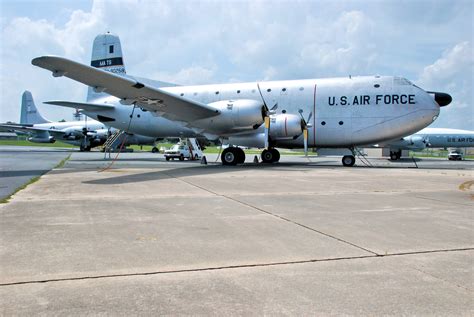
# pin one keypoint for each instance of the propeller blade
(275, 106)
(261, 95)
(309, 118)
(305, 139)
(267, 131)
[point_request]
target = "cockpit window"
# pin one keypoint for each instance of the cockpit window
(401, 81)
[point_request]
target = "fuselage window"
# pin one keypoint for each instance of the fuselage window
(217, 92)
(268, 90)
(301, 88)
(376, 85)
(181, 94)
(138, 116)
(323, 122)
(341, 122)
(238, 91)
(111, 49)
(253, 91)
(195, 93)
(283, 89)
(283, 111)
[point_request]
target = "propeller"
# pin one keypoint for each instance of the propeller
(426, 140)
(305, 125)
(268, 113)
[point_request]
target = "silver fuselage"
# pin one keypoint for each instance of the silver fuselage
(346, 111)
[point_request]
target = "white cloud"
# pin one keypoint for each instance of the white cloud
(453, 73)
(454, 63)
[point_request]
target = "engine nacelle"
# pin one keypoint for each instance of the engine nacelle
(235, 115)
(73, 131)
(417, 142)
(285, 126)
(250, 140)
(49, 139)
(98, 135)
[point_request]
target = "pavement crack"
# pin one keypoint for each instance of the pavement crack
(443, 201)
(279, 217)
(442, 279)
(227, 267)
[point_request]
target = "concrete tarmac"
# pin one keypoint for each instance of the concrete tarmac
(296, 238)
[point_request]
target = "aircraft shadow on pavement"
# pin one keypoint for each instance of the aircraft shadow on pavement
(200, 170)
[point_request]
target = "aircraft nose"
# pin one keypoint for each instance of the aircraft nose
(441, 98)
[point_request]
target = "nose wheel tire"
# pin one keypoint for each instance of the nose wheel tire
(348, 160)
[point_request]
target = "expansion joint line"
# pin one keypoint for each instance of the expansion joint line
(228, 267)
(277, 216)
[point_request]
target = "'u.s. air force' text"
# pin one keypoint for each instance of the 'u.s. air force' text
(377, 99)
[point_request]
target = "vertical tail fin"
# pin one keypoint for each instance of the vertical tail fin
(106, 55)
(29, 112)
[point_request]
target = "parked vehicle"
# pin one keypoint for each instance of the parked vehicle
(189, 149)
(455, 156)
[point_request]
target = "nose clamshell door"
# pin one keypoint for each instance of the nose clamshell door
(441, 98)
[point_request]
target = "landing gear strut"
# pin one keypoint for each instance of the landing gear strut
(233, 156)
(270, 155)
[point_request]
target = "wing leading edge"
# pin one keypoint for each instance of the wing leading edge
(128, 89)
(80, 105)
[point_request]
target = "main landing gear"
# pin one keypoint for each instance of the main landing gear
(395, 155)
(232, 156)
(270, 155)
(235, 155)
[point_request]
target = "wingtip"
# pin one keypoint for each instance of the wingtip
(37, 60)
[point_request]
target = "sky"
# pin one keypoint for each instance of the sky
(203, 42)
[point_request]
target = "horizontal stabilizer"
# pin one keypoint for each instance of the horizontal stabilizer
(80, 105)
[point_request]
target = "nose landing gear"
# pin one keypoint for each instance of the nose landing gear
(348, 160)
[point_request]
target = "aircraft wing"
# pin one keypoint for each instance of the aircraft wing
(26, 129)
(80, 105)
(17, 127)
(128, 89)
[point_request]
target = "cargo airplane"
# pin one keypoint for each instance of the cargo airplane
(430, 138)
(86, 133)
(333, 112)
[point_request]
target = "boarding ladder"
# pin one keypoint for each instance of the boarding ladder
(194, 148)
(112, 141)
